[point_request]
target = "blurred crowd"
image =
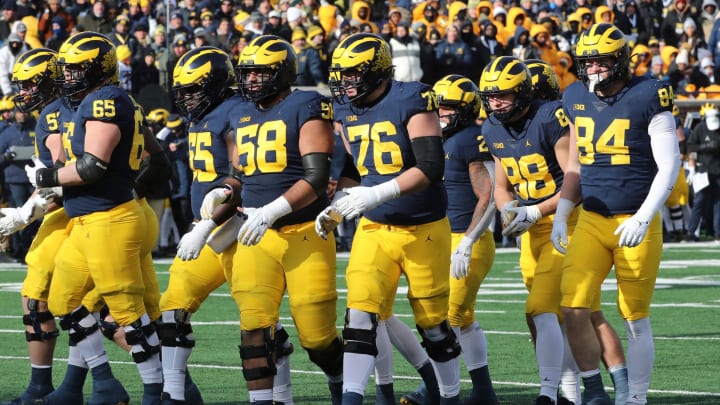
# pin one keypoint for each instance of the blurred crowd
(673, 40)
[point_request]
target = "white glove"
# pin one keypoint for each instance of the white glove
(33, 209)
(632, 231)
(525, 217)
(327, 221)
(506, 216)
(192, 242)
(460, 258)
(690, 175)
(361, 199)
(260, 219)
(50, 192)
(11, 221)
(31, 170)
(212, 199)
(559, 234)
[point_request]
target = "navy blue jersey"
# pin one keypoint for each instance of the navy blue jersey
(526, 151)
(208, 151)
(269, 151)
(613, 142)
(462, 149)
(48, 123)
(108, 104)
(381, 149)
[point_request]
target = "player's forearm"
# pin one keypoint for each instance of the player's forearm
(667, 157)
(300, 195)
(480, 223)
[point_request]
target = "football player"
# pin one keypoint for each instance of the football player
(202, 81)
(393, 133)
(284, 145)
(34, 74)
(546, 87)
(469, 169)
(468, 180)
(103, 145)
(624, 160)
(528, 140)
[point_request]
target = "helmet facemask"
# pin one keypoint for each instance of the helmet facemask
(522, 100)
(361, 79)
(192, 102)
(34, 94)
(617, 72)
(75, 85)
(265, 86)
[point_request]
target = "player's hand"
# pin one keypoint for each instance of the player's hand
(49, 193)
(506, 216)
(460, 258)
(632, 231)
(525, 217)
(212, 199)
(31, 171)
(33, 209)
(254, 227)
(327, 221)
(361, 199)
(260, 219)
(559, 235)
(10, 221)
(192, 242)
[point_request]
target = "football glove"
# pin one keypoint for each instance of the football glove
(559, 234)
(11, 221)
(460, 258)
(192, 242)
(361, 199)
(212, 199)
(506, 216)
(260, 219)
(31, 171)
(632, 231)
(525, 217)
(327, 221)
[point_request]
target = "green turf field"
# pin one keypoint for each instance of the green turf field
(685, 320)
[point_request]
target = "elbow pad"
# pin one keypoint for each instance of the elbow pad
(317, 170)
(349, 170)
(90, 168)
(429, 155)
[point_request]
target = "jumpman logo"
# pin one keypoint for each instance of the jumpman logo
(428, 239)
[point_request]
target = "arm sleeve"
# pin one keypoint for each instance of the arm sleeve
(663, 142)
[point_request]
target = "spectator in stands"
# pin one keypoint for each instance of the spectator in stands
(54, 9)
(673, 24)
(406, 54)
(79, 8)
(13, 47)
(144, 72)
(121, 33)
(275, 26)
(704, 142)
(59, 34)
(18, 134)
(9, 16)
(97, 20)
(452, 54)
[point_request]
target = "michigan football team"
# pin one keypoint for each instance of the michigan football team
(425, 170)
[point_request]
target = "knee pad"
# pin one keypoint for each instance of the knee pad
(281, 350)
(250, 351)
(361, 341)
(34, 319)
(108, 328)
(443, 346)
(72, 321)
(138, 336)
(330, 359)
(177, 333)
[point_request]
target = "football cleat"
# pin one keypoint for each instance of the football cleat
(108, 392)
